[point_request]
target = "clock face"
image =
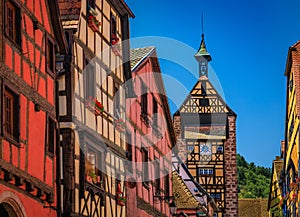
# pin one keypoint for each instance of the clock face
(205, 149)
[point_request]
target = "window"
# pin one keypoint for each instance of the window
(145, 164)
(113, 27)
(50, 56)
(206, 172)
(116, 100)
(154, 112)
(220, 149)
(92, 3)
(92, 162)
(190, 148)
(11, 115)
(13, 22)
(204, 102)
(51, 135)
(167, 185)
(129, 151)
(291, 84)
(216, 196)
(89, 79)
(144, 99)
(157, 178)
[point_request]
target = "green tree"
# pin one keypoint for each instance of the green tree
(253, 181)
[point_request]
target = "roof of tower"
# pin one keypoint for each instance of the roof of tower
(202, 51)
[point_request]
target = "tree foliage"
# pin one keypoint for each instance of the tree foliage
(253, 181)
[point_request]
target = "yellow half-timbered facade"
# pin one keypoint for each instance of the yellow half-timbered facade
(275, 199)
(91, 107)
(291, 150)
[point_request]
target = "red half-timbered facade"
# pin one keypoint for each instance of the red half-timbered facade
(150, 138)
(30, 38)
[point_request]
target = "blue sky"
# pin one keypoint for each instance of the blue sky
(248, 41)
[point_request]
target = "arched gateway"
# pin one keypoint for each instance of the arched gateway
(10, 205)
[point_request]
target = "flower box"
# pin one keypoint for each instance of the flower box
(114, 39)
(93, 23)
(121, 200)
(120, 125)
(94, 106)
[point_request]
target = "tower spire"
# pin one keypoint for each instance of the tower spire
(202, 55)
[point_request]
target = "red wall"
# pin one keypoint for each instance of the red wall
(28, 63)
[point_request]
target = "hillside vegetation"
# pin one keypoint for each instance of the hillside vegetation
(254, 181)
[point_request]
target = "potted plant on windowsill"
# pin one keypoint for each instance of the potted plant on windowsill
(93, 23)
(115, 46)
(121, 200)
(94, 105)
(120, 125)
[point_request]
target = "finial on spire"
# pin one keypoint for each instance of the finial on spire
(202, 23)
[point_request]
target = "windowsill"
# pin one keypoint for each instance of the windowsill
(11, 140)
(18, 46)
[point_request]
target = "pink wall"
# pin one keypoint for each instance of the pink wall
(140, 201)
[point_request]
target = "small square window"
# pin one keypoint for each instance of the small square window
(204, 102)
(219, 149)
(13, 22)
(190, 148)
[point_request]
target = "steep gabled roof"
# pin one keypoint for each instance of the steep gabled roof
(192, 194)
(204, 99)
(137, 55)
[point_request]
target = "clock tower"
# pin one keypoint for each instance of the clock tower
(205, 126)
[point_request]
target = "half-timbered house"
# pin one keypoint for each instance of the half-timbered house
(275, 200)
(291, 148)
(206, 127)
(150, 138)
(91, 107)
(30, 37)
